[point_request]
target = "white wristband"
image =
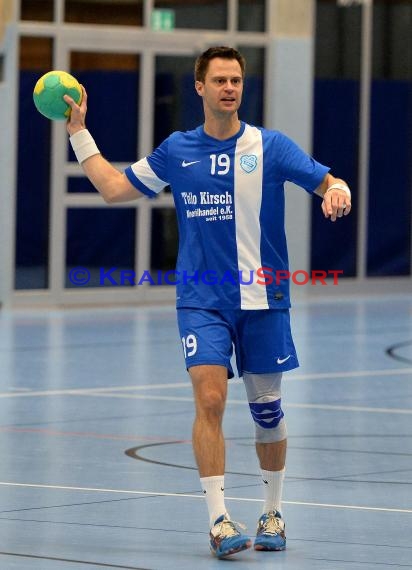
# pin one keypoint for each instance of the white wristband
(83, 145)
(339, 186)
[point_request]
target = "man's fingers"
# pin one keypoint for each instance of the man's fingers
(327, 207)
(347, 210)
(69, 100)
(335, 205)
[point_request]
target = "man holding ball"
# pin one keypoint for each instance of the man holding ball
(227, 179)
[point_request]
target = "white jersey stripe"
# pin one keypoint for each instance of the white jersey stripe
(143, 171)
(248, 182)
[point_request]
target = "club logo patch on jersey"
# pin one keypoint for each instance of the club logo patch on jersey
(248, 162)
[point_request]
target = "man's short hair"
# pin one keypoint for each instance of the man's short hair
(202, 62)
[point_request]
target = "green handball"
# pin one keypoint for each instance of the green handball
(48, 94)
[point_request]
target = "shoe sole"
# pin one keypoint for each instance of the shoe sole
(244, 546)
(268, 548)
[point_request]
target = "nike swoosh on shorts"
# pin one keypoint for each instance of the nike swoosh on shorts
(282, 360)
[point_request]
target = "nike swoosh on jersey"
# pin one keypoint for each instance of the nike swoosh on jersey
(184, 163)
(282, 360)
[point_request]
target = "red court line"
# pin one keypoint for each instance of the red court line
(93, 435)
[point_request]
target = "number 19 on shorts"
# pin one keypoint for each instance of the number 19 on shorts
(189, 343)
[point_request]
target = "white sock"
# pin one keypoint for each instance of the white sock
(213, 490)
(273, 485)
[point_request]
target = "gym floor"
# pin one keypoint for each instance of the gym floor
(96, 463)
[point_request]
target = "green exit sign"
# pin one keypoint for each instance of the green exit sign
(163, 20)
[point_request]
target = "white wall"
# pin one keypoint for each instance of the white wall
(291, 59)
(8, 110)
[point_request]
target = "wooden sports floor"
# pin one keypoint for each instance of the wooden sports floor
(97, 470)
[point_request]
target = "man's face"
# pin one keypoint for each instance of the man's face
(222, 87)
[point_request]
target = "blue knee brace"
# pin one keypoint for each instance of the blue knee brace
(263, 391)
(267, 414)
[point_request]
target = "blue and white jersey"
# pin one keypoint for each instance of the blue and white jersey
(230, 205)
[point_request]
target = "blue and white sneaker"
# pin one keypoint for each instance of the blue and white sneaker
(270, 534)
(226, 539)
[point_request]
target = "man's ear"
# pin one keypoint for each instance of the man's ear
(199, 87)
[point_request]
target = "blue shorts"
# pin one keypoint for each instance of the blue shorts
(262, 339)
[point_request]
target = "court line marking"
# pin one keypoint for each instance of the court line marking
(337, 408)
(193, 496)
(334, 407)
(349, 374)
(91, 391)
(70, 560)
(327, 407)
(293, 377)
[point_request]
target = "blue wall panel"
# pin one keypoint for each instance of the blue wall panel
(335, 144)
(390, 179)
